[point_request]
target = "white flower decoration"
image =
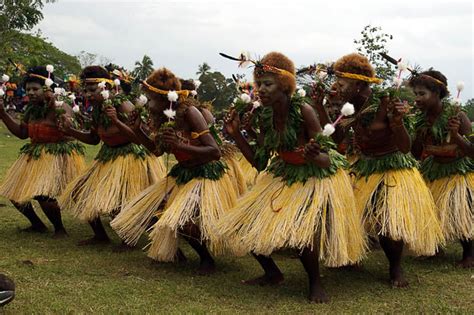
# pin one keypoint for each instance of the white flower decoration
(105, 94)
(59, 103)
(50, 68)
(301, 92)
(347, 109)
(5, 78)
(48, 82)
(72, 97)
(460, 86)
(194, 92)
(397, 82)
(456, 101)
(2, 92)
(101, 84)
(256, 104)
(322, 75)
(117, 82)
(172, 96)
(75, 109)
(171, 114)
(328, 130)
(142, 100)
(245, 98)
(402, 66)
(197, 84)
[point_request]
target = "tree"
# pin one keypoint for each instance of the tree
(144, 68)
(20, 15)
(469, 108)
(373, 43)
(216, 88)
(33, 50)
(86, 59)
(203, 69)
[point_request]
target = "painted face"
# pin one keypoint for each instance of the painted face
(268, 89)
(35, 93)
(92, 92)
(424, 98)
(342, 91)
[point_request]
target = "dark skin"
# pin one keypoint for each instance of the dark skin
(271, 94)
(49, 206)
(118, 133)
(203, 150)
(459, 126)
(386, 134)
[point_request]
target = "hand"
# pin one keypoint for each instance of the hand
(111, 112)
(232, 122)
(398, 111)
(454, 123)
(49, 98)
(311, 150)
(317, 95)
(65, 123)
(134, 120)
(247, 120)
(170, 139)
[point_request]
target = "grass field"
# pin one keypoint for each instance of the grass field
(56, 276)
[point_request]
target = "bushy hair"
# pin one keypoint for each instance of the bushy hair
(426, 79)
(187, 84)
(355, 63)
(164, 79)
(39, 70)
(94, 72)
(280, 61)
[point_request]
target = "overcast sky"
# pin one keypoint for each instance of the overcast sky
(182, 34)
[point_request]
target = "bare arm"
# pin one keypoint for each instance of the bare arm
(19, 129)
(460, 128)
(401, 136)
(312, 127)
(232, 126)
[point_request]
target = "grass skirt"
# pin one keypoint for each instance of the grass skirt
(106, 186)
(250, 173)
(454, 197)
(398, 204)
(319, 213)
(199, 201)
(47, 175)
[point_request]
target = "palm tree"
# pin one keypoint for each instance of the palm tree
(144, 68)
(203, 69)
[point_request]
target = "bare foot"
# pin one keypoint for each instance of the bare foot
(265, 280)
(94, 241)
(466, 263)
(35, 229)
(317, 295)
(58, 234)
(206, 268)
(397, 279)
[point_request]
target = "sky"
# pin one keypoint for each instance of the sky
(183, 34)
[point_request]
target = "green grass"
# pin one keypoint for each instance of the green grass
(56, 276)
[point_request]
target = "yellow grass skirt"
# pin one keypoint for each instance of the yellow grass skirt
(200, 201)
(46, 176)
(250, 173)
(454, 197)
(236, 174)
(398, 204)
(106, 186)
(273, 215)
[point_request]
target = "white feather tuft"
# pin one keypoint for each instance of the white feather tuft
(328, 130)
(348, 109)
(172, 96)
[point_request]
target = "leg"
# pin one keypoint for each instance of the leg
(309, 258)
(393, 250)
(27, 210)
(100, 236)
(272, 276)
(467, 254)
(192, 235)
(53, 212)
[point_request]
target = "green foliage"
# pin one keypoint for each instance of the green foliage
(21, 15)
(212, 170)
(372, 43)
(107, 153)
(143, 68)
(367, 166)
(217, 89)
(433, 170)
(36, 149)
(33, 50)
(469, 109)
(203, 69)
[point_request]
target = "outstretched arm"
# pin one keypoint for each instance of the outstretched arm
(19, 129)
